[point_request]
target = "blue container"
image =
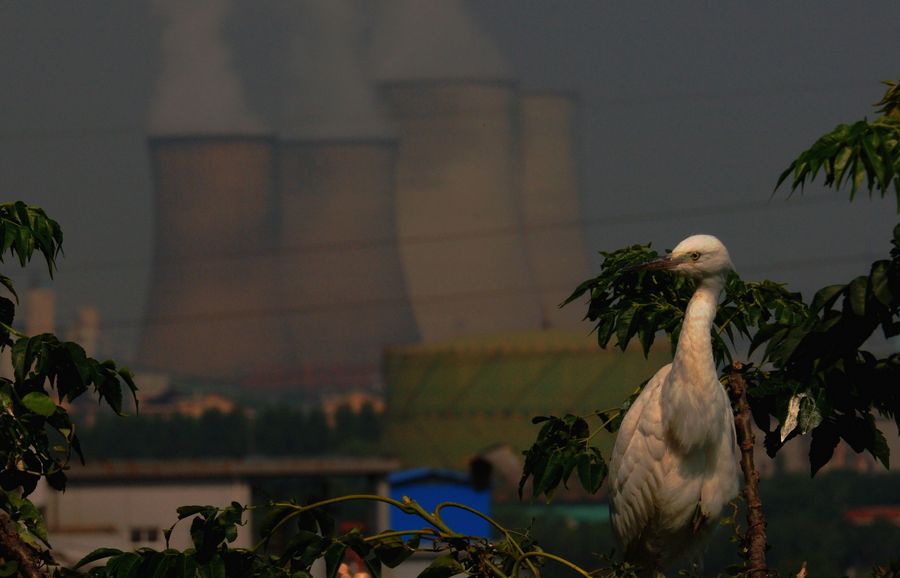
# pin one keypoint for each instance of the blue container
(429, 487)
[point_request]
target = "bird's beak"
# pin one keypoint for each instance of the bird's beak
(665, 262)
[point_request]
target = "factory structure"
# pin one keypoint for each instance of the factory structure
(438, 201)
(309, 257)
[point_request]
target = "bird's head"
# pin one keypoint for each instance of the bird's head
(698, 257)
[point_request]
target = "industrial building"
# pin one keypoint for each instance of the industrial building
(292, 258)
(451, 401)
(442, 201)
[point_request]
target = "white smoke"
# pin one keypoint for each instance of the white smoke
(328, 93)
(198, 90)
(432, 39)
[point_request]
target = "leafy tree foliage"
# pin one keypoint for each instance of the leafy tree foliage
(862, 154)
(37, 436)
(312, 536)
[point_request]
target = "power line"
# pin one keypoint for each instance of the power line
(623, 219)
(73, 133)
(440, 299)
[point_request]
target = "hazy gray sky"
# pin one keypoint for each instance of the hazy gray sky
(689, 112)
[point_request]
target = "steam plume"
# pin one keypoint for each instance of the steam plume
(327, 92)
(416, 39)
(198, 91)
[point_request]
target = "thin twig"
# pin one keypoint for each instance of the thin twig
(539, 554)
(489, 520)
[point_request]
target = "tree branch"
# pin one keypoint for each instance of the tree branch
(13, 548)
(755, 540)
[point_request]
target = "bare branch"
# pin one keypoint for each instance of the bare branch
(13, 548)
(755, 540)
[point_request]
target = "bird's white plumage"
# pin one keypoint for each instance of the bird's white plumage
(674, 465)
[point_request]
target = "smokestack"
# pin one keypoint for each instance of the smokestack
(550, 203)
(40, 316)
(341, 274)
(86, 331)
(210, 311)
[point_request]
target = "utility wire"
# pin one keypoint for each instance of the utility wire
(436, 299)
(623, 219)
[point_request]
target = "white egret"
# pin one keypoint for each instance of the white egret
(675, 461)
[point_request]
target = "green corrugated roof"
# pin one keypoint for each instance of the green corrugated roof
(448, 401)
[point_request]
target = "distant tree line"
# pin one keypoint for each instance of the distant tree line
(271, 431)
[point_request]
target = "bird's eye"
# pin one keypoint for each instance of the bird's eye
(695, 256)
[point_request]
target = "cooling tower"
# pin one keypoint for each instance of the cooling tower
(341, 275)
(210, 310)
(458, 215)
(550, 205)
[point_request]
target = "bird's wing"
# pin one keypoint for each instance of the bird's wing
(722, 486)
(636, 467)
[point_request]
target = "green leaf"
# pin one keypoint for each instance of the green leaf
(39, 403)
(187, 511)
(625, 327)
(880, 283)
(824, 439)
(333, 556)
(551, 476)
(31, 517)
(7, 313)
(592, 470)
(394, 551)
(325, 522)
(826, 297)
(98, 554)
(215, 568)
(185, 566)
(442, 567)
(157, 565)
(856, 295)
(124, 566)
(878, 445)
(767, 333)
(306, 547)
(273, 519)
(7, 282)
(646, 334)
(875, 165)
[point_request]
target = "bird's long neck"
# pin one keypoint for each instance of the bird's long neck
(693, 380)
(694, 355)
